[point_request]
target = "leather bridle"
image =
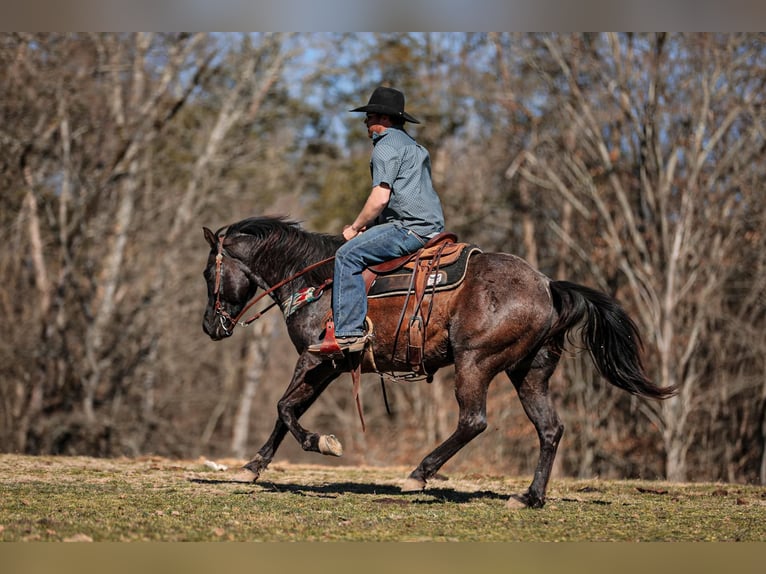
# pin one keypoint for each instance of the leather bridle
(224, 316)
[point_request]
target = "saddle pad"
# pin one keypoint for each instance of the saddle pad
(399, 282)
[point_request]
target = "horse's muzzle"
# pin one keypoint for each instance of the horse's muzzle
(216, 328)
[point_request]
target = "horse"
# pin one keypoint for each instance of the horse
(505, 317)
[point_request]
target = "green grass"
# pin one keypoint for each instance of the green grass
(152, 499)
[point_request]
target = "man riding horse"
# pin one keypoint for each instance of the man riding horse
(401, 214)
(503, 317)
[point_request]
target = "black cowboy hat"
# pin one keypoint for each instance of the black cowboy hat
(387, 101)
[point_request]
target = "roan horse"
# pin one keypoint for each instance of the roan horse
(504, 317)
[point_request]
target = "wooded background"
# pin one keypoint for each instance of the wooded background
(632, 163)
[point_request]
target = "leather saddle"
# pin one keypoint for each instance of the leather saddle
(439, 265)
(441, 245)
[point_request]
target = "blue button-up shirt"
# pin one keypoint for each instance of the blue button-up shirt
(405, 165)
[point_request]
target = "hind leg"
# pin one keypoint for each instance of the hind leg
(532, 387)
(471, 385)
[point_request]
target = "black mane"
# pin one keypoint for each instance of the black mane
(283, 242)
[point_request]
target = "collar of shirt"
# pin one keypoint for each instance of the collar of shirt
(376, 137)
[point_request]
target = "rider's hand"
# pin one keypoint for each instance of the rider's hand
(349, 232)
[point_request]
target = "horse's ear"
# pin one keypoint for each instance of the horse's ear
(210, 236)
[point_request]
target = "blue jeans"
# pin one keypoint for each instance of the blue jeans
(378, 244)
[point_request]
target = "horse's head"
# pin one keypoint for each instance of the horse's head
(229, 287)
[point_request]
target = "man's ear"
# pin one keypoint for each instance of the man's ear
(210, 237)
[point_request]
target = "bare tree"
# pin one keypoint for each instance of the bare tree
(93, 218)
(661, 138)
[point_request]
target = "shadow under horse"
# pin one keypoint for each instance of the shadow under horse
(504, 316)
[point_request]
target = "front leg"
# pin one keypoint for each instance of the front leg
(266, 453)
(310, 378)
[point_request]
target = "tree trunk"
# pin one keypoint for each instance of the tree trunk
(255, 366)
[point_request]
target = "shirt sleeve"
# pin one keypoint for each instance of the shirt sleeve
(384, 165)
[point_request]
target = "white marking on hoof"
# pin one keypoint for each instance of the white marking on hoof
(516, 502)
(413, 485)
(330, 445)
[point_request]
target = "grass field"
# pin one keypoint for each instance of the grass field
(155, 499)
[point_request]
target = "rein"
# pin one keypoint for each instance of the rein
(234, 321)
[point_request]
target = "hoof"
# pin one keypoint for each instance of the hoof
(413, 485)
(245, 475)
(330, 445)
(516, 502)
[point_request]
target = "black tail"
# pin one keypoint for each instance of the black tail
(611, 337)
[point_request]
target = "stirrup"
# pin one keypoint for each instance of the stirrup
(350, 344)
